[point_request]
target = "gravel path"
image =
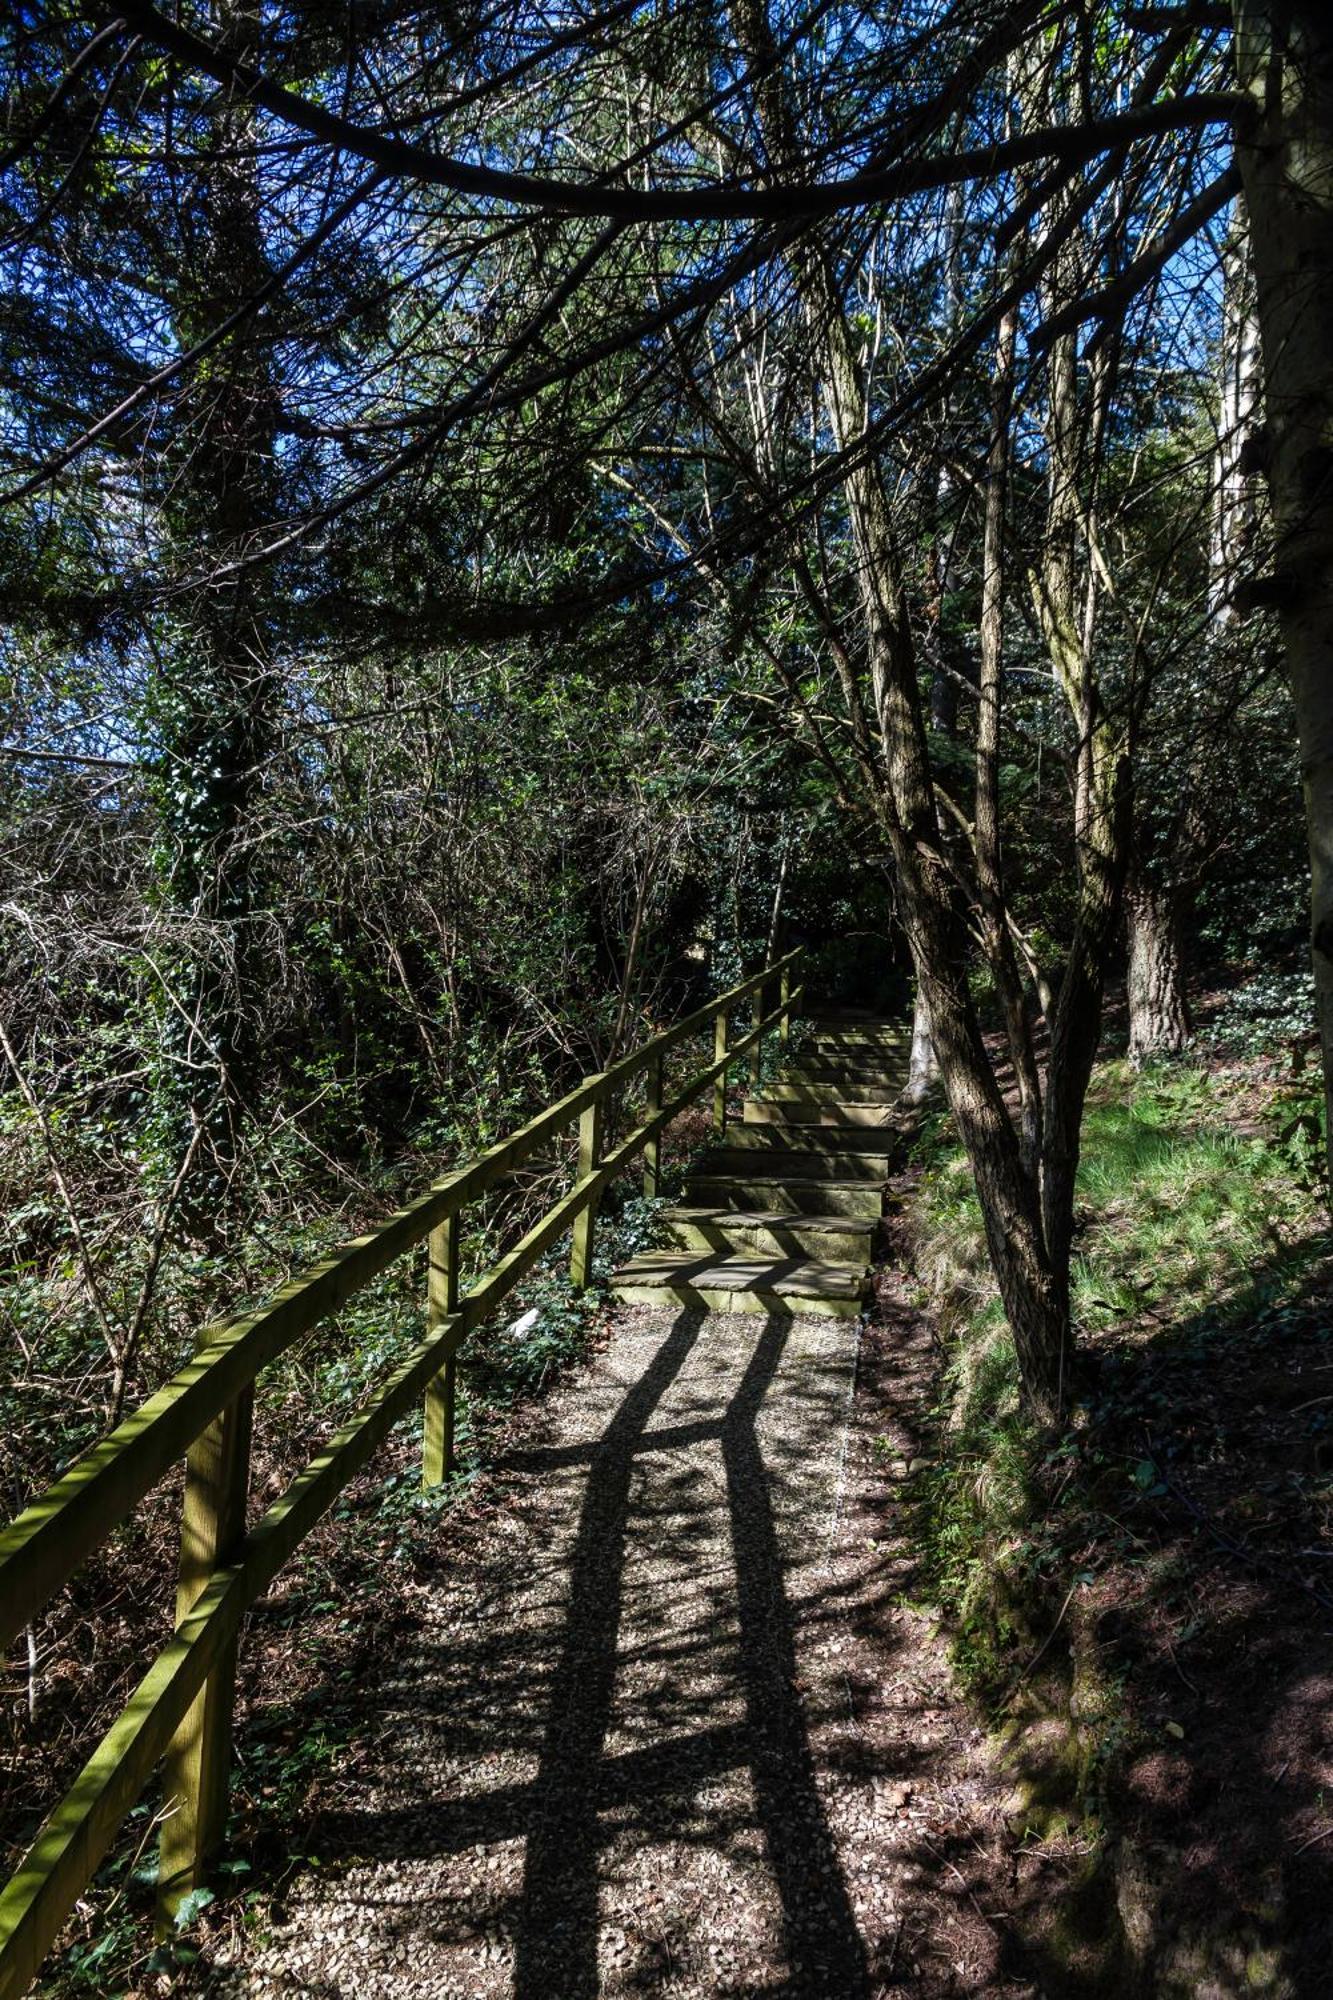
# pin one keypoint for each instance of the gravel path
(667, 1728)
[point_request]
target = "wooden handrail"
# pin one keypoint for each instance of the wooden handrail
(170, 1712)
(44, 1545)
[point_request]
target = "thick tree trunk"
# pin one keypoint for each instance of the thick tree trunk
(1285, 62)
(1159, 1017)
(217, 711)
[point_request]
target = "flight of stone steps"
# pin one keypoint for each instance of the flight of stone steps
(779, 1216)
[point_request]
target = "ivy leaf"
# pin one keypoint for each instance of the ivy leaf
(191, 1907)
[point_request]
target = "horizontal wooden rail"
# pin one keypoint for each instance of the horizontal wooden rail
(41, 1549)
(44, 1545)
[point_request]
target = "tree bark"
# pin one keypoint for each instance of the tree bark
(923, 1069)
(1159, 1016)
(1066, 594)
(997, 938)
(216, 707)
(1239, 398)
(1285, 61)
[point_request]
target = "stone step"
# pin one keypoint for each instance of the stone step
(829, 1239)
(796, 1163)
(786, 1285)
(780, 1216)
(804, 1111)
(828, 1050)
(841, 1014)
(763, 1137)
(845, 1070)
(797, 1086)
(887, 1036)
(770, 1191)
(853, 1021)
(792, 1088)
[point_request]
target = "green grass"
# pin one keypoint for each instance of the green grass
(1184, 1208)
(1182, 1217)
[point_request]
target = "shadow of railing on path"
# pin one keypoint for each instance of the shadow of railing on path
(557, 1928)
(824, 1949)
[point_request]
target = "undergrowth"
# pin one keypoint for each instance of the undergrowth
(1179, 1208)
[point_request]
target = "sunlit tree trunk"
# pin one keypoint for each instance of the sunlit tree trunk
(1159, 1018)
(923, 1070)
(1240, 388)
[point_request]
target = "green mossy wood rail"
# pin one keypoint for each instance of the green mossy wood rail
(181, 1709)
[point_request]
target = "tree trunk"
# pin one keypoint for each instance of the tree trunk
(1239, 398)
(1033, 1289)
(923, 1070)
(1285, 62)
(1159, 1017)
(998, 941)
(216, 707)
(1066, 596)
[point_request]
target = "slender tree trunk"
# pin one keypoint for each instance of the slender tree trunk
(941, 583)
(775, 914)
(1285, 61)
(642, 895)
(1159, 1018)
(999, 944)
(1034, 1289)
(923, 1069)
(1065, 590)
(1239, 397)
(1170, 834)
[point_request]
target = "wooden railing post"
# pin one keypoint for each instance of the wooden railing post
(757, 1050)
(437, 1430)
(720, 1087)
(652, 1152)
(784, 999)
(198, 1759)
(585, 1224)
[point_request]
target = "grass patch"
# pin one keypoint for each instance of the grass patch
(1185, 1221)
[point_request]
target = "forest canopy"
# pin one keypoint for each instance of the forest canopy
(513, 520)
